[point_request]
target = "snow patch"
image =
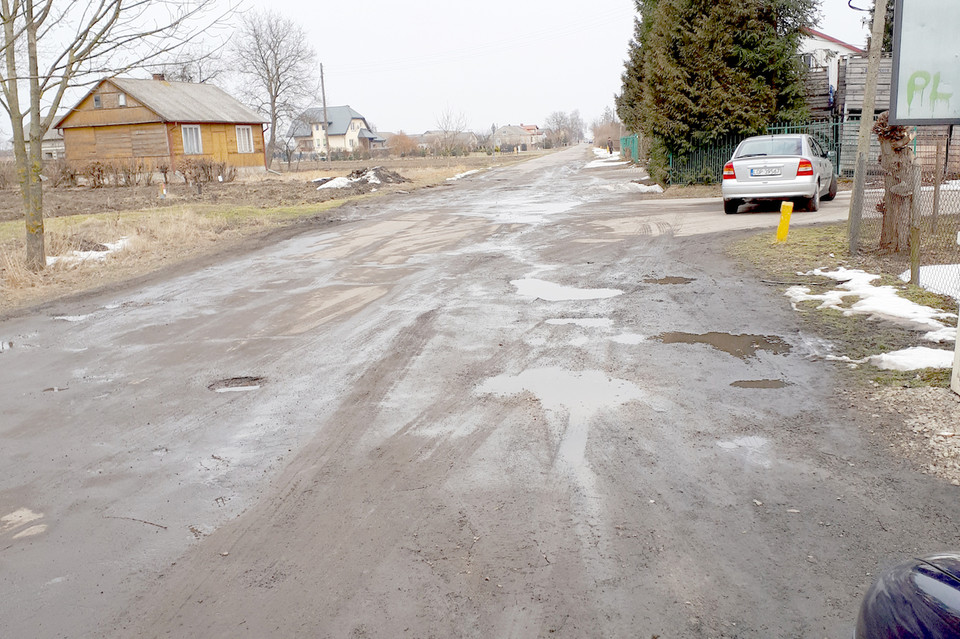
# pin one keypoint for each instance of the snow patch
(875, 301)
(84, 256)
(913, 358)
(460, 176)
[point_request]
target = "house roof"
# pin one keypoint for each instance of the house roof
(340, 118)
(818, 34)
(182, 101)
(370, 135)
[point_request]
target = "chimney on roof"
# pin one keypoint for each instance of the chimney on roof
(159, 76)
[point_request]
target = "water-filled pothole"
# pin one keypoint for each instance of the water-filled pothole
(760, 383)
(669, 280)
(5, 346)
(237, 384)
(742, 346)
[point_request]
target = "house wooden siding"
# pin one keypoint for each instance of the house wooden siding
(112, 132)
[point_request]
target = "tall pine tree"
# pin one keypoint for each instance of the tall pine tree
(700, 69)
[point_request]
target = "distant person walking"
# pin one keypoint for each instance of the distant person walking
(610, 146)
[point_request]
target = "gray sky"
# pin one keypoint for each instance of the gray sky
(404, 64)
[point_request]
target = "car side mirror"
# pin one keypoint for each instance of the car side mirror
(832, 156)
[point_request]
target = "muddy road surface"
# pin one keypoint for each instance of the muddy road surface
(523, 405)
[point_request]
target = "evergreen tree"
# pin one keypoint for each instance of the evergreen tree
(700, 69)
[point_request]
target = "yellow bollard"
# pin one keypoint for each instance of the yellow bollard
(786, 209)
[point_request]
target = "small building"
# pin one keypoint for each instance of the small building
(346, 129)
(512, 136)
(161, 123)
(51, 146)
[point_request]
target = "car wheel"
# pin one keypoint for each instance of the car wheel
(832, 193)
(731, 206)
(813, 203)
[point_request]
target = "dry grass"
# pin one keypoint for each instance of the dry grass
(856, 336)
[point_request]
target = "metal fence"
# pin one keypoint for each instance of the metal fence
(630, 147)
(705, 165)
(922, 230)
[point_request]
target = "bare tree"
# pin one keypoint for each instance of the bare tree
(451, 126)
(200, 64)
(278, 65)
(50, 46)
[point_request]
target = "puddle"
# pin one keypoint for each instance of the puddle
(742, 346)
(577, 396)
(55, 389)
(5, 346)
(669, 280)
(760, 383)
(236, 384)
(540, 289)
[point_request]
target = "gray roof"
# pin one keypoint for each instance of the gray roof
(370, 135)
(186, 101)
(340, 118)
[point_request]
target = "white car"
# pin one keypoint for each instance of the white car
(779, 167)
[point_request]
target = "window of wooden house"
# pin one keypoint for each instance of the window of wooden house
(244, 139)
(191, 139)
(122, 99)
(97, 102)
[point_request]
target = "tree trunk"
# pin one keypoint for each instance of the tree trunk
(896, 159)
(32, 191)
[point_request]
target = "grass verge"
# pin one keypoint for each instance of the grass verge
(856, 336)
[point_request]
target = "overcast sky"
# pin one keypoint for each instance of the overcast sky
(404, 64)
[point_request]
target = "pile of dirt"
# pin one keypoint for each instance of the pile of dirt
(362, 180)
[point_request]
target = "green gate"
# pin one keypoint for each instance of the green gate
(705, 165)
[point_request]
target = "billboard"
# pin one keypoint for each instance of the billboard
(926, 62)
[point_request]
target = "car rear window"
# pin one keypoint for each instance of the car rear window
(771, 146)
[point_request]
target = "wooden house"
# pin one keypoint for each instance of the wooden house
(162, 123)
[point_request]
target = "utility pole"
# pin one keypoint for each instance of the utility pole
(326, 120)
(866, 124)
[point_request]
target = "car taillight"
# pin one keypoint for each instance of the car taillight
(728, 172)
(805, 168)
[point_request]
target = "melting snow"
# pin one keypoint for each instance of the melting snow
(914, 358)
(460, 176)
(539, 289)
(876, 301)
(97, 256)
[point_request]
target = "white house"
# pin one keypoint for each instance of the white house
(347, 131)
(818, 50)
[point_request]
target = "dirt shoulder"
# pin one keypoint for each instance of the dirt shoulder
(914, 412)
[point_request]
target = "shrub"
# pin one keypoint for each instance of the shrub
(61, 173)
(8, 175)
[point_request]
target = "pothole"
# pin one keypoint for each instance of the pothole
(742, 346)
(55, 389)
(760, 383)
(234, 384)
(669, 280)
(5, 346)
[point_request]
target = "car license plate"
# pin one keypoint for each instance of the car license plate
(766, 170)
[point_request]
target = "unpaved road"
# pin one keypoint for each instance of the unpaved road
(510, 407)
